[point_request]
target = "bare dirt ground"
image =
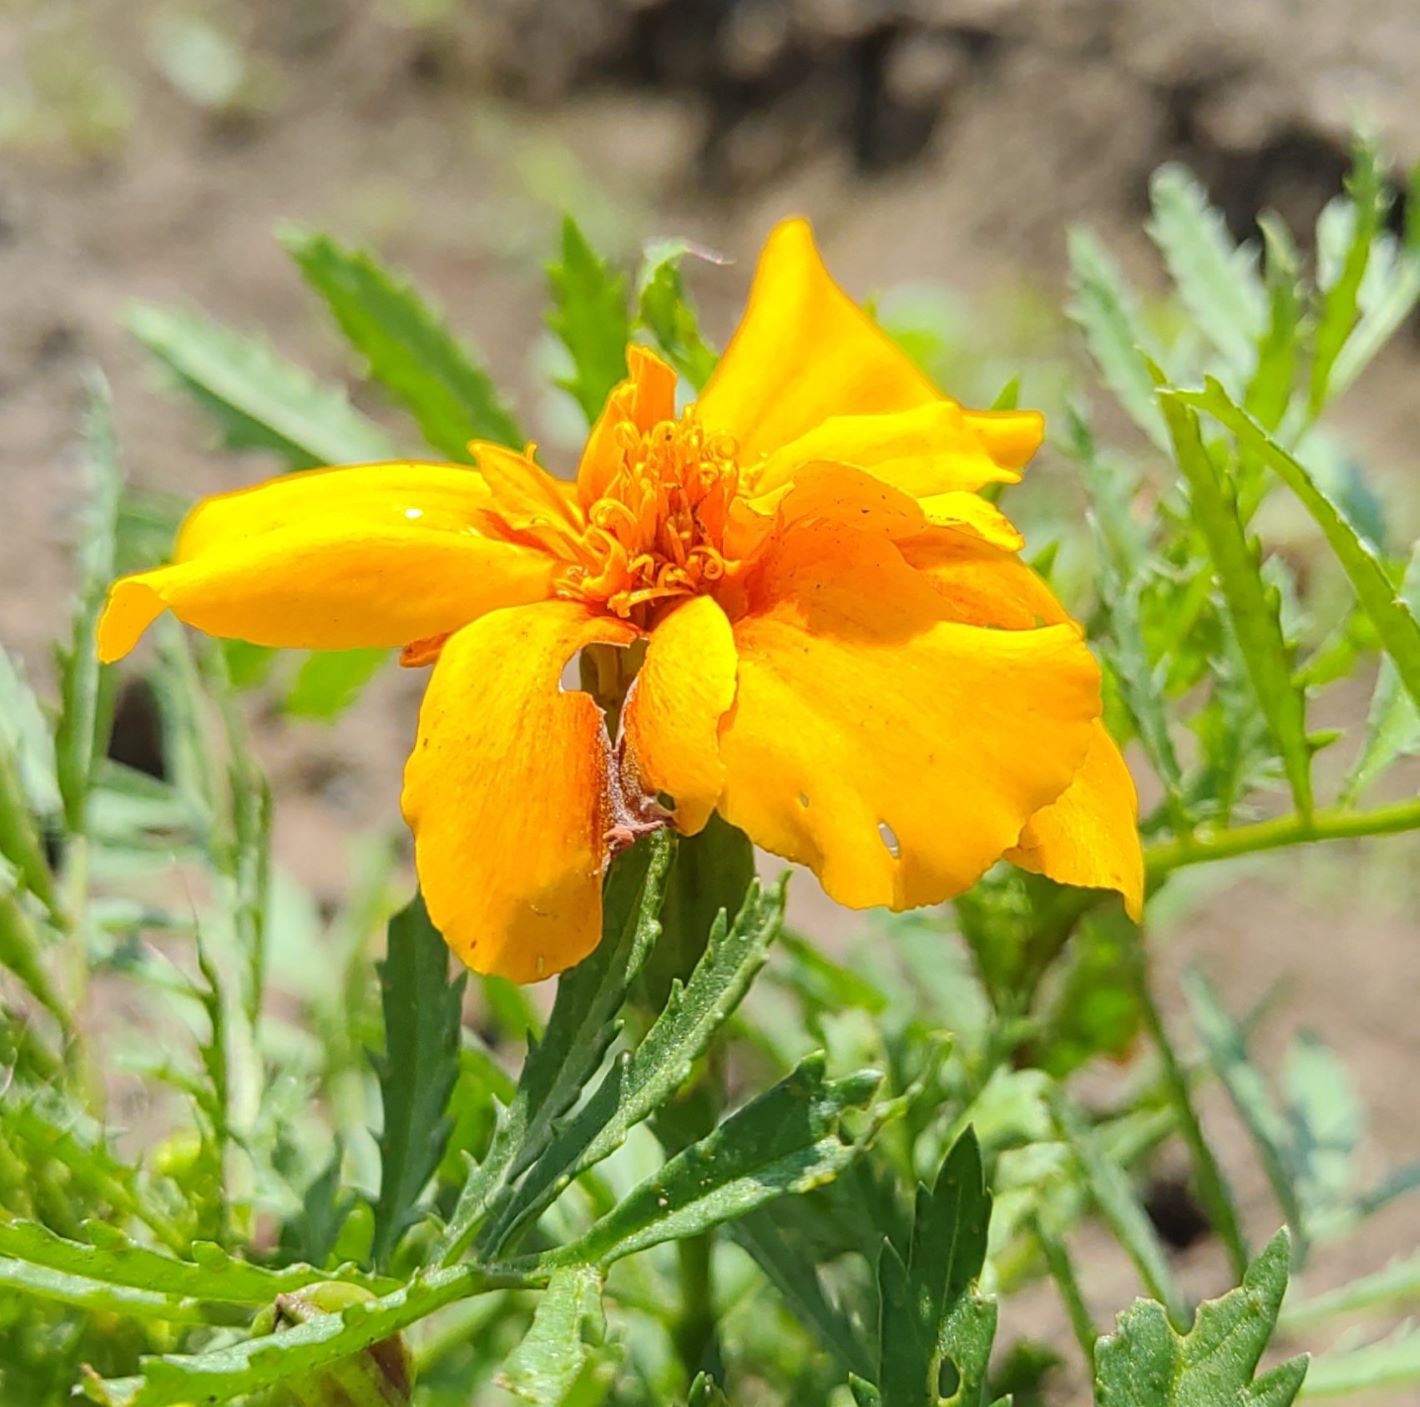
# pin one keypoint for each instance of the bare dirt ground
(951, 142)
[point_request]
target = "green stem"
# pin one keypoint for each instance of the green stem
(1212, 1184)
(1333, 823)
(694, 1332)
(1062, 1271)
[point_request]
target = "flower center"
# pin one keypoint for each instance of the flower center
(658, 529)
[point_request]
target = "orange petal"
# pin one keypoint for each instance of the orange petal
(981, 582)
(506, 792)
(673, 712)
(524, 494)
(895, 751)
(644, 400)
(803, 352)
(334, 559)
(930, 449)
(1090, 835)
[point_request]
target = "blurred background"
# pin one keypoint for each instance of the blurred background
(149, 149)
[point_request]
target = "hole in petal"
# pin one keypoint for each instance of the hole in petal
(804, 800)
(888, 836)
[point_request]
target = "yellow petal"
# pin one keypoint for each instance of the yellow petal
(643, 400)
(981, 582)
(524, 495)
(971, 513)
(1090, 835)
(673, 712)
(1011, 437)
(895, 751)
(803, 352)
(506, 792)
(332, 559)
(930, 449)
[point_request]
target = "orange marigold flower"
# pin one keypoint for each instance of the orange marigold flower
(827, 633)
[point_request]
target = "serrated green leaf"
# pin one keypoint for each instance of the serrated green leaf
(1105, 308)
(258, 400)
(111, 1259)
(325, 1339)
(407, 346)
(96, 1296)
(589, 314)
(1226, 1049)
(25, 735)
(1395, 623)
(329, 681)
(926, 1309)
(785, 1141)
(422, 1011)
(1254, 608)
(552, 1362)
(1341, 292)
(1115, 1197)
(1392, 1361)
(643, 1080)
(1216, 280)
(1325, 1118)
(665, 310)
(1147, 1363)
(20, 841)
(1393, 719)
(579, 1031)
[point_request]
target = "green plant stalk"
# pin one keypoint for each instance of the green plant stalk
(1212, 1186)
(1333, 823)
(1062, 1271)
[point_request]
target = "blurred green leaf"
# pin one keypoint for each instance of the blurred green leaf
(1324, 1117)
(1389, 1363)
(1106, 310)
(1253, 607)
(589, 314)
(256, 399)
(1394, 621)
(645, 1079)
(664, 308)
(704, 1392)
(418, 1069)
(1115, 1197)
(579, 1031)
(785, 1141)
(1145, 1363)
(1396, 1286)
(329, 681)
(25, 734)
(929, 1310)
(1269, 392)
(557, 1363)
(1216, 280)
(407, 346)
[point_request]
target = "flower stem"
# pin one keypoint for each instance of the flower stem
(1062, 1271)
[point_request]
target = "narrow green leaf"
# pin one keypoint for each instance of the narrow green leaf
(407, 346)
(1269, 392)
(1393, 1361)
(786, 1141)
(551, 1364)
(24, 733)
(1226, 1048)
(1341, 295)
(325, 1339)
(1397, 1285)
(579, 1031)
(97, 1296)
(665, 310)
(1114, 1195)
(928, 1310)
(1254, 607)
(1217, 281)
(329, 681)
(643, 1080)
(22, 948)
(258, 400)
(1395, 623)
(20, 841)
(85, 691)
(109, 1258)
(417, 1072)
(589, 314)
(1393, 719)
(1105, 308)
(1146, 1363)
(1325, 1118)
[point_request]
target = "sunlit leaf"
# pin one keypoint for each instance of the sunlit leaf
(555, 1362)
(589, 314)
